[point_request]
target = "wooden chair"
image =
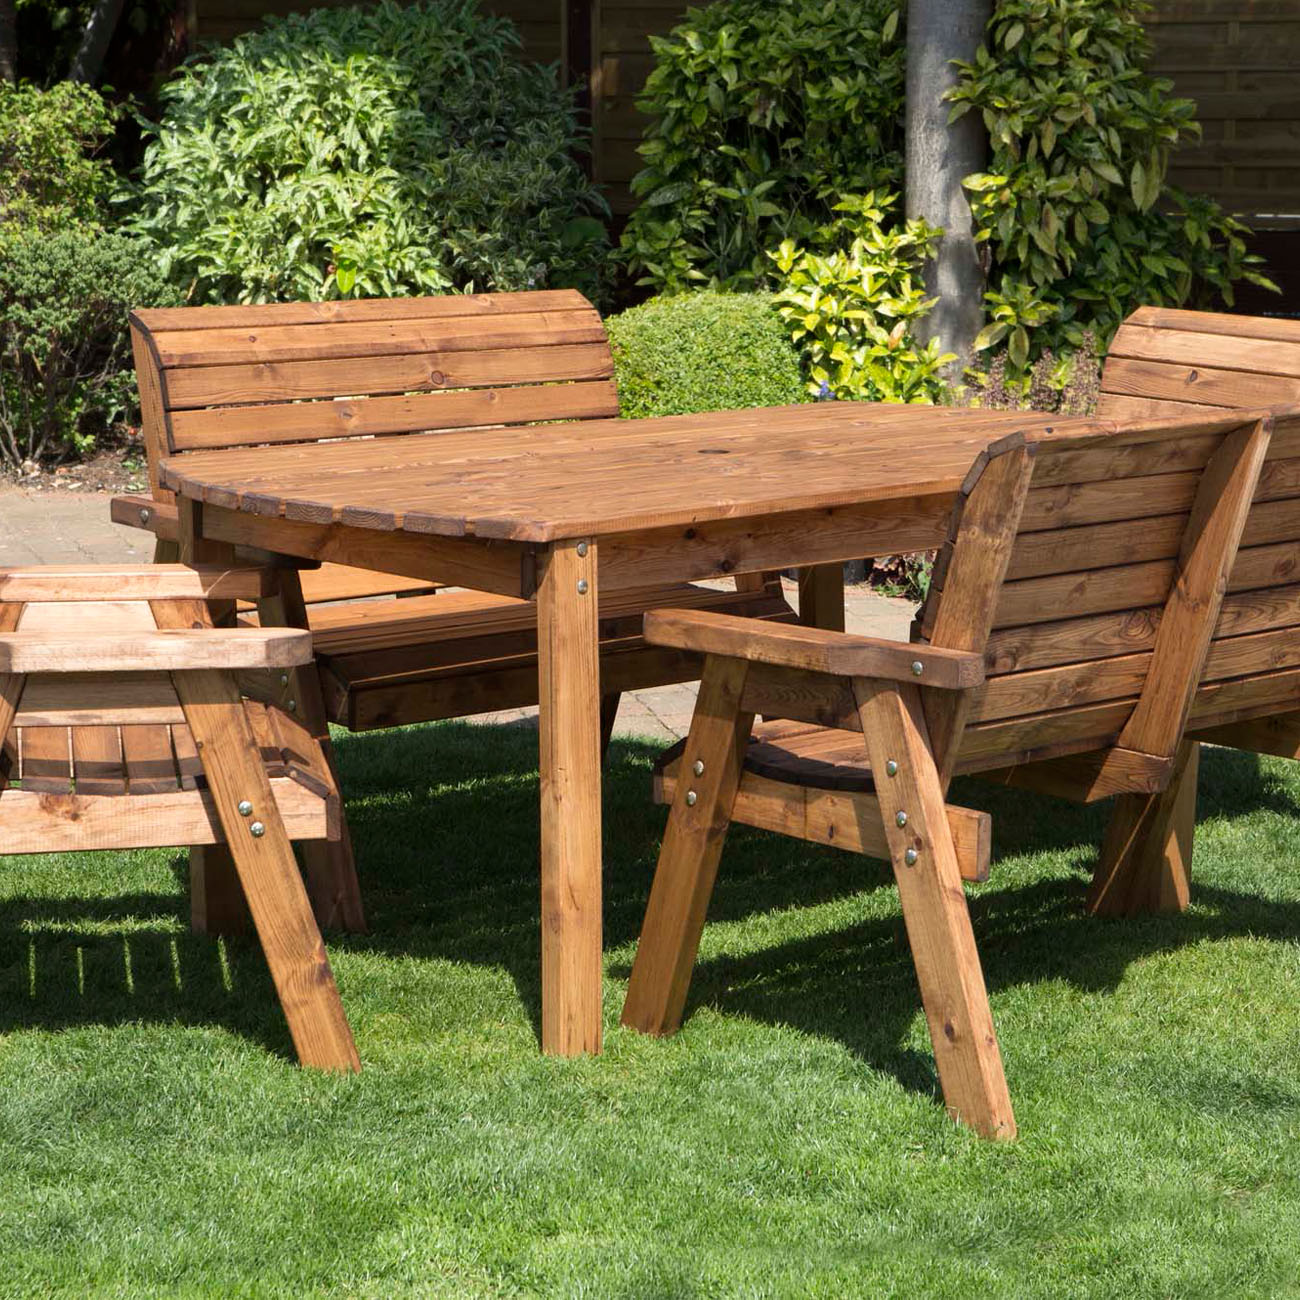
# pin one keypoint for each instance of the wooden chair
(392, 650)
(123, 725)
(1100, 601)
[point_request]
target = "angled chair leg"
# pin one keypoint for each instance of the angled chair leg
(267, 870)
(934, 907)
(608, 716)
(1146, 855)
(688, 861)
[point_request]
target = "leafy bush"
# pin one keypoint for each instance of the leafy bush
(49, 174)
(765, 114)
(64, 360)
(1081, 137)
(850, 310)
(703, 352)
(381, 150)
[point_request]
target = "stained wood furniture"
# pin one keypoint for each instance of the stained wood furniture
(1101, 601)
(391, 649)
(122, 725)
(572, 517)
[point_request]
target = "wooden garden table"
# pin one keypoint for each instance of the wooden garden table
(560, 513)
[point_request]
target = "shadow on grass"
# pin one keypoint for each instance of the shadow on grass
(445, 824)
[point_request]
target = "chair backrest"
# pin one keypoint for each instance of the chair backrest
(309, 372)
(1164, 362)
(1067, 555)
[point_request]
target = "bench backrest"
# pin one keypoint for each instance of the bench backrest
(1168, 363)
(307, 372)
(1068, 555)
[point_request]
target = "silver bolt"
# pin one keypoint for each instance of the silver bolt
(582, 586)
(245, 808)
(293, 706)
(284, 679)
(900, 819)
(891, 768)
(698, 767)
(910, 857)
(917, 668)
(257, 830)
(582, 548)
(691, 797)
(145, 516)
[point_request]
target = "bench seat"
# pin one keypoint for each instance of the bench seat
(423, 658)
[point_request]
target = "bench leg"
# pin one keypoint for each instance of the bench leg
(330, 867)
(934, 908)
(217, 905)
(267, 870)
(688, 861)
(608, 715)
(821, 596)
(1146, 855)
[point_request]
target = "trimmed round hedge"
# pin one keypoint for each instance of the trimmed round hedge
(704, 352)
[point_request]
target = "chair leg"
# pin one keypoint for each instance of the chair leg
(1146, 855)
(934, 908)
(330, 866)
(267, 870)
(688, 861)
(217, 904)
(608, 715)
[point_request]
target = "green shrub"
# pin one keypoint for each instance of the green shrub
(381, 150)
(765, 113)
(850, 311)
(703, 352)
(1081, 223)
(49, 174)
(64, 359)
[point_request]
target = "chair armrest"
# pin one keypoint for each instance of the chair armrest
(75, 582)
(813, 649)
(161, 518)
(178, 650)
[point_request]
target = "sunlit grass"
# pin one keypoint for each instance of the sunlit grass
(155, 1137)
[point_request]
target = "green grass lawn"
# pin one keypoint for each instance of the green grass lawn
(155, 1138)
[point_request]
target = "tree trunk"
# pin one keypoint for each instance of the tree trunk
(94, 43)
(8, 41)
(939, 156)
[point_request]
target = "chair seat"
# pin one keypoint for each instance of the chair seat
(142, 786)
(421, 658)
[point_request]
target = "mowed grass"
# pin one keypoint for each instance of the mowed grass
(156, 1139)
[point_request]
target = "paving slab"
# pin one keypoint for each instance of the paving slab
(57, 526)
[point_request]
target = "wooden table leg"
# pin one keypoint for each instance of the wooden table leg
(569, 735)
(821, 596)
(217, 903)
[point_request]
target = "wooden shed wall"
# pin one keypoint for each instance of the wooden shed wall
(1240, 59)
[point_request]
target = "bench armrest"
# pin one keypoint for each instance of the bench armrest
(179, 650)
(812, 649)
(161, 518)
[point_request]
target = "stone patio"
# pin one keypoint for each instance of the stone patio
(66, 527)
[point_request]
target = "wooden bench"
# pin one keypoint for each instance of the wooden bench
(123, 725)
(392, 650)
(1102, 603)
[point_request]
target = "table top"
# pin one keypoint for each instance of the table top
(544, 483)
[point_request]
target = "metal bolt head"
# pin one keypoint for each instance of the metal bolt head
(698, 767)
(245, 808)
(691, 797)
(917, 668)
(292, 706)
(582, 586)
(891, 768)
(910, 857)
(145, 516)
(257, 830)
(284, 679)
(583, 548)
(900, 819)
